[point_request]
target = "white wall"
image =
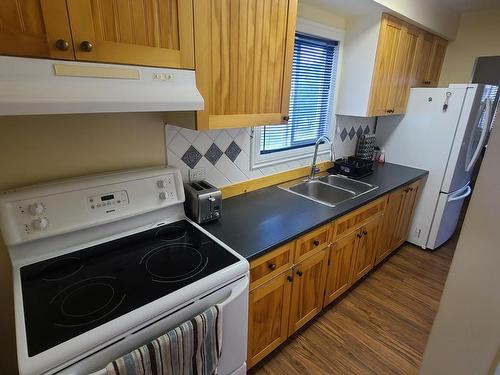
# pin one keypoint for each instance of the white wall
(465, 337)
(478, 35)
(430, 14)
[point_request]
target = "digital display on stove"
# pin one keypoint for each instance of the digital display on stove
(107, 197)
(66, 296)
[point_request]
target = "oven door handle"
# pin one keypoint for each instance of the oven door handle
(241, 287)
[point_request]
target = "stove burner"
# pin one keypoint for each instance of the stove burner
(86, 301)
(173, 263)
(171, 233)
(61, 269)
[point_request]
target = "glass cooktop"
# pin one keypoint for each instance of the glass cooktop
(66, 296)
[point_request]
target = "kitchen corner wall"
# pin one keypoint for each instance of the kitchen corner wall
(224, 155)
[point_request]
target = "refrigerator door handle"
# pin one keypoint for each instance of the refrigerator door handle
(482, 139)
(453, 198)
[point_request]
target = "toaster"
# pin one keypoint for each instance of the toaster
(203, 201)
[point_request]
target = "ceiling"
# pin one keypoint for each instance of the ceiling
(470, 5)
(349, 8)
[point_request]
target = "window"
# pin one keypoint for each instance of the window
(312, 87)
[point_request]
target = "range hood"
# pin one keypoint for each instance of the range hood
(37, 86)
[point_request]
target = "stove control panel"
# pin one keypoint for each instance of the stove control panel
(70, 205)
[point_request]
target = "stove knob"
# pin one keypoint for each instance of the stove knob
(36, 209)
(40, 224)
(163, 195)
(160, 184)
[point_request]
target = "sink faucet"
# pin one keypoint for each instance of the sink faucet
(314, 168)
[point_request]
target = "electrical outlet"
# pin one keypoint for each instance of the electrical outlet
(197, 174)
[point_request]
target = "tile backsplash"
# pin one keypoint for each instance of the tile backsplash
(224, 155)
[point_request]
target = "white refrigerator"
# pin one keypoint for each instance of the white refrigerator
(443, 131)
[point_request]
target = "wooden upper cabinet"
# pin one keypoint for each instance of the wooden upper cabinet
(394, 66)
(430, 60)
(139, 32)
(244, 52)
(33, 29)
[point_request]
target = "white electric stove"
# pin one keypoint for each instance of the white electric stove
(104, 264)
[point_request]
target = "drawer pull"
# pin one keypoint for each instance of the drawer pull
(289, 278)
(365, 232)
(299, 273)
(316, 242)
(359, 235)
(271, 266)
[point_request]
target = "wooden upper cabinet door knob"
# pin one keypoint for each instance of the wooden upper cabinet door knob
(86, 46)
(286, 118)
(62, 44)
(365, 232)
(299, 273)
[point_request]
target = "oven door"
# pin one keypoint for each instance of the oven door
(233, 299)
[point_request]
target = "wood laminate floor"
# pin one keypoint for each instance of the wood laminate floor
(380, 326)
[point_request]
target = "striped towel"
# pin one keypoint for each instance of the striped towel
(193, 348)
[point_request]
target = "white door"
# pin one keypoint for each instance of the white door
(470, 137)
(446, 216)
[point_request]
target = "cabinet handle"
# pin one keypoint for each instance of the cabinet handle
(390, 111)
(299, 273)
(406, 190)
(359, 235)
(365, 232)
(410, 189)
(316, 242)
(271, 266)
(289, 278)
(286, 118)
(62, 44)
(86, 46)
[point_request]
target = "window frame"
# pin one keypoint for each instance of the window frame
(258, 160)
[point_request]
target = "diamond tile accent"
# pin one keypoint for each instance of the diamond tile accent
(367, 130)
(352, 133)
(343, 134)
(232, 151)
(191, 157)
(359, 131)
(213, 154)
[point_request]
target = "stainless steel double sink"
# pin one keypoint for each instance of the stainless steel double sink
(330, 190)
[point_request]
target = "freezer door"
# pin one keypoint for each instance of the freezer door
(470, 137)
(446, 216)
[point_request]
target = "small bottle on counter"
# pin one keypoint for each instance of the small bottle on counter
(381, 158)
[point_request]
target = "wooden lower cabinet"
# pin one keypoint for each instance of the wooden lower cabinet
(308, 288)
(397, 220)
(269, 307)
(339, 267)
(366, 249)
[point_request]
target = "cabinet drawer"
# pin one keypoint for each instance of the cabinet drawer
(358, 218)
(270, 265)
(315, 240)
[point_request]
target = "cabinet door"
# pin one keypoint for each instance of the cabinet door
(32, 29)
(244, 53)
(424, 56)
(391, 219)
(338, 278)
(308, 289)
(384, 77)
(404, 70)
(409, 208)
(364, 257)
(142, 32)
(438, 53)
(269, 307)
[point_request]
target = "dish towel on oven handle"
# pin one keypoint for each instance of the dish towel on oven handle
(193, 348)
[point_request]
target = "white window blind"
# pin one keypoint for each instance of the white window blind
(314, 61)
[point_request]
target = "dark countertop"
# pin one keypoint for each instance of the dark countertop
(257, 222)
